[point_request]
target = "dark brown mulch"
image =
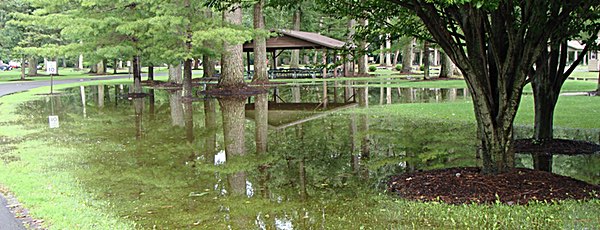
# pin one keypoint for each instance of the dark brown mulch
(240, 91)
(555, 146)
(468, 185)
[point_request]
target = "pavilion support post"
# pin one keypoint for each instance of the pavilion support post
(274, 65)
(324, 60)
(248, 61)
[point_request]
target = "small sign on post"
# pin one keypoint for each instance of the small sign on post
(51, 67)
(53, 122)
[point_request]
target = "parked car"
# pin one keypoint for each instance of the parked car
(14, 64)
(5, 67)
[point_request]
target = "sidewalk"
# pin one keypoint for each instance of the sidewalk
(7, 218)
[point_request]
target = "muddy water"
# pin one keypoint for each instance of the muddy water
(297, 157)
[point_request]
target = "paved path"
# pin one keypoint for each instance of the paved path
(9, 88)
(7, 218)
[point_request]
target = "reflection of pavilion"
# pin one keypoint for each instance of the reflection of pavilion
(283, 115)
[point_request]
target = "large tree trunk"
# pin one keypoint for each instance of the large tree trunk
(447, 66)
(232, 65)
(187, 78)
(261, 110)
(362, 58)
(349, 66)
(234, 137)
(176, 105)
(32, 67)
(210, 124)
(94, 68)
(296, 20)
(175, 74)
(407, 57)
(260, 46)
(547, 80)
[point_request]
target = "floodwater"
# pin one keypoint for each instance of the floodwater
(310, 156)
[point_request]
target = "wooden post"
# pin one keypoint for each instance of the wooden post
(324, 60)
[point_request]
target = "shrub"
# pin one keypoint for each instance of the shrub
(372, 68)
(422, 68)
(398, 67)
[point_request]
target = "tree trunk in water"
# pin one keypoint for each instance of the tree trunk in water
(139, 109)
(137, 75)
(188, 115)
(296, 20)
(175, 74)
(234, 138)
(426, 59)
(260, 46)
(261, 110)
(150, 72)
(447, 67)
(407, 57)
(232, 65)
(32, 67)
(210, 124)
(177, 118)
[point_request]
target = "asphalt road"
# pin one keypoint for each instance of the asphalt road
(9, 88)
(7, 219)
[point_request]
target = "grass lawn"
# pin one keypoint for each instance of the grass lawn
(42, 177)
(68, 73)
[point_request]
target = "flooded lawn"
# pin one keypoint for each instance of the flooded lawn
(302, 156)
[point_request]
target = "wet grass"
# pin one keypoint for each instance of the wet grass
(64, 180)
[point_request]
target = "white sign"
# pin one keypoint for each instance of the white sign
(51, 67)
(53, 121)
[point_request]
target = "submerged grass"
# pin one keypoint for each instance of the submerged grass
(75, 187)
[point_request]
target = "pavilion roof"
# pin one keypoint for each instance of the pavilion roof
(293, 39)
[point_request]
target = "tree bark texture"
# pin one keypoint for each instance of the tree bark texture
(349, 67)
(296, 22)
(137, 74)
(260, 45)
(32, 66)
(175, 74)
(187, 78)
(447, 66)
(234, 136)
(176, 104)
(407, 57)
(261, 109)
(210, 124)
(232, 65)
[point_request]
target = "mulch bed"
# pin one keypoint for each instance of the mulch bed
(468, 185)
(555, 146)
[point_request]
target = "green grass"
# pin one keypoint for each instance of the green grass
(45, 178)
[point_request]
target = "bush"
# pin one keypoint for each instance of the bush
(372, 68)
(422, 68)
(398, 67)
